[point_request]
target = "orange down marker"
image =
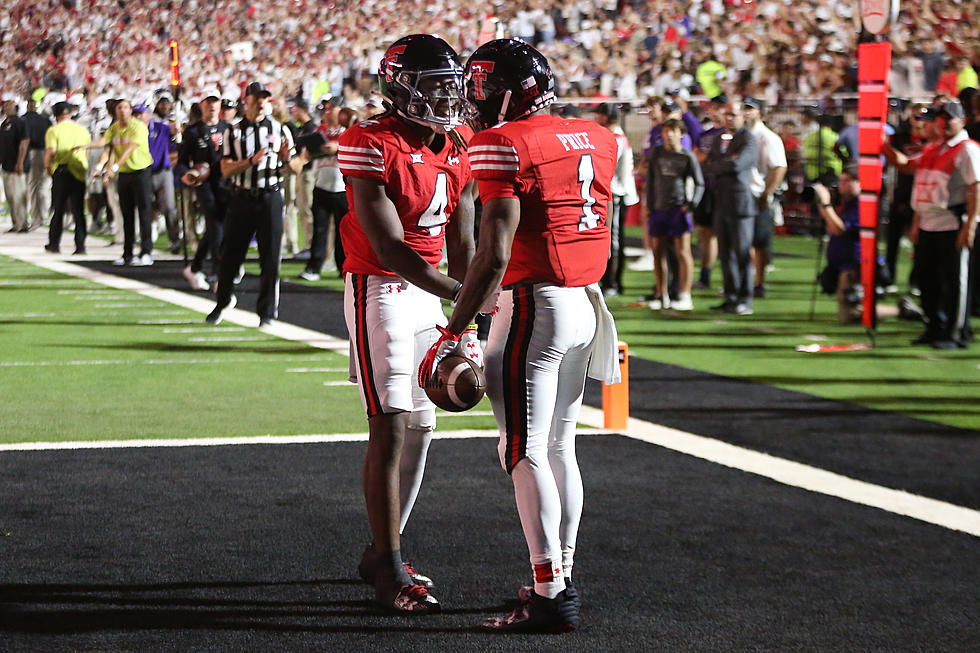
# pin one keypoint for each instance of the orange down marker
(616, 397)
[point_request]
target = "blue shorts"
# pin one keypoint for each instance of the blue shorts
(672, 222)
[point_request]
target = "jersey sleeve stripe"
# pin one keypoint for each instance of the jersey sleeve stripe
(493, 148)
(360, 150)
(490, 166)
(361, 159)
(495, 157)
(354, 167)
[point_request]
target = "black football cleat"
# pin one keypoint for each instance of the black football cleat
(407, 599)
(537, 615)
(524, 594)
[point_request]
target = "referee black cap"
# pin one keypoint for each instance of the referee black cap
(257, 88)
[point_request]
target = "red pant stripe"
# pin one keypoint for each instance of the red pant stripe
(365, 371)
(515, 374)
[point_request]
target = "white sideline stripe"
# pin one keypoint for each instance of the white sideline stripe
(231, 339)
(100, 297)
(220, 442)
(150, 361)
(307, 370)
(799, 475)
(464, 434)
(781, 470)
(192, 302)
(205, 329)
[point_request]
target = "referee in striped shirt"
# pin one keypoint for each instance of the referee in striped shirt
(255, 149)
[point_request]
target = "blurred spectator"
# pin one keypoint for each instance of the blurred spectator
(843, 222)
(38, 181)
(303, 125)
(767, 181)
(966, 76)
(730, 162)
(67, 164)
(624, 195)
(672, 168)
(909, 138)
(932, 62)
(703, 216)
(162, 179)
(14, 141)
(199, 165)
(818, 149)
(127, 157)
(946, 200)
(329, 194)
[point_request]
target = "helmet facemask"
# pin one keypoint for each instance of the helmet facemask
(434, 98)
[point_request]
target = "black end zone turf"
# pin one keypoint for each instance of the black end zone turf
(255, 548)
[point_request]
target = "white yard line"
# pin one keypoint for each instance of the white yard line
(780, 470)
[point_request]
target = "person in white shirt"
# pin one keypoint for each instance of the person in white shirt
(624, 196)
(767, 178)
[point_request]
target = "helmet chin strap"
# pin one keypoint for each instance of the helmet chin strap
(503, 107)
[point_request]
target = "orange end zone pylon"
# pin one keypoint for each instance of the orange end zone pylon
(616, 397)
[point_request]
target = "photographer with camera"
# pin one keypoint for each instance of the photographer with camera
(843, 221)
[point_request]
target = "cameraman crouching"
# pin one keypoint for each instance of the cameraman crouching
(843, 222)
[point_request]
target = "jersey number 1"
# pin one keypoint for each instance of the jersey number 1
(586, 175)
(435, 216)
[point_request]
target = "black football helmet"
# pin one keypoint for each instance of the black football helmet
(422, 80)
(506, 80)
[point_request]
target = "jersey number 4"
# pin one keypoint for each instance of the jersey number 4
(435, 216)
(586, 175)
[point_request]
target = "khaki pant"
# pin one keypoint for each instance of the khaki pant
(15, 187)
(38, 189)
(112, 199)
(290, 240)
(305, 181)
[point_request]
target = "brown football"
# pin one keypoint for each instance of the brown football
(457, 384)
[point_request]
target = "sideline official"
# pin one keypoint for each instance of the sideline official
(255, 149)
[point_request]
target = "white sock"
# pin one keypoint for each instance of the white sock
(548, 579)
(411, 468)
(567, 560)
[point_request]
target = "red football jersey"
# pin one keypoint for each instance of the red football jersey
(561, 170)
(423, 185)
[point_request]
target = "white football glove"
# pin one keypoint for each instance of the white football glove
(465, 344)
(469, 346)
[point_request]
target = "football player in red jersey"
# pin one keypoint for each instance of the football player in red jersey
(545, 183)
(409, 189)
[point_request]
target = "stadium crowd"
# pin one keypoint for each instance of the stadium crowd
(626, 49)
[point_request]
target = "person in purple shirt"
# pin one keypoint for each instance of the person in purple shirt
(160, 137)
(660, 109)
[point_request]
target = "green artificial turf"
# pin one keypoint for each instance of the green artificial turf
(84, 362)
(936, 385)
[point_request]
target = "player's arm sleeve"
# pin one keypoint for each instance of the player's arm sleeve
(496, 164)
(362, 155)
